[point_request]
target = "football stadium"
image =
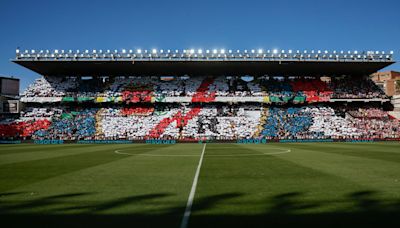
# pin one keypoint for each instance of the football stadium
(201, 138)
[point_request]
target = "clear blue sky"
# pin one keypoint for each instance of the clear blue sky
(173, 24)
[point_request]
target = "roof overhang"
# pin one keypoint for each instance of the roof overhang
(201, 67)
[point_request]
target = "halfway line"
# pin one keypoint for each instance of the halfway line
(189, 204)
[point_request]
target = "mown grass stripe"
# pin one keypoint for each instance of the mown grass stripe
(23, 173)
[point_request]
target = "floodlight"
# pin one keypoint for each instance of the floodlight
(290, 51)
(222, 51)
(33, 51)
(215, 51)
(391, 52)
(230, 51)
(17, 51)
(139, 51)
(154, 51)
(123, 51)
(207, 51)
(356, 52)
(161, 51)
(260, 51)
(200, 51)
(191, 51)
(252, 51)
(56, 51)
(275, 51)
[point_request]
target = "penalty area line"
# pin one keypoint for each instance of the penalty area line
(188, 210)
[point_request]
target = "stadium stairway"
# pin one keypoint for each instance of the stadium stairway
(99, 127)
(262, 122)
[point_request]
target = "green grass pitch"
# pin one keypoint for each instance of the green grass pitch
(240, 185)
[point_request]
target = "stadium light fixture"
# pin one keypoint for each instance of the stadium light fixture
(275, 51)
(222, 51)
(154, 51)
(139, 51)
(356, 52)
(199, 51)
(191, 51)
(207, 51)
(260, 51)
(230, 51)
(215, 51)
(123, 51)
(253, 51)
(56, 51)
(290, 51)
(391, 52)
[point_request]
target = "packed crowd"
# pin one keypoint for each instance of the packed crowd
(324, 122)
(140, 119)
(143, 89)
(221, 122)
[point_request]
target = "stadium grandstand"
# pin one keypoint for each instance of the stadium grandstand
(198, 95)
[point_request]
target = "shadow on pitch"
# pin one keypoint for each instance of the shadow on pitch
(288, 209)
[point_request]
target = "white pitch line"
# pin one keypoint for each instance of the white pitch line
(157, 155)
(283, 151)
(189, 204)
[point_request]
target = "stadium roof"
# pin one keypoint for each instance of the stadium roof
(190, 62)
